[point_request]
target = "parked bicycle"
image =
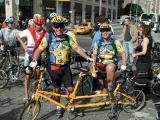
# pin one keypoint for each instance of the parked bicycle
(155, 83)
(11, 69)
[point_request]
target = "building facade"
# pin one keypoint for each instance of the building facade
(77, 11)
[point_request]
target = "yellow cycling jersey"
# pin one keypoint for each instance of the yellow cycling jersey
(59, 49)
(107, 50)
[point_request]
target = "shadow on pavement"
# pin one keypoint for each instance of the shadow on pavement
(47, 116)
(12, 115)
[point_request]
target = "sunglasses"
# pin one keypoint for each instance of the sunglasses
(105, 30)
(59, 25)
(10, 22)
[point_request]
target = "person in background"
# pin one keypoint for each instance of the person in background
(48, 25)
(8, 35)
(143, 50)
(30, 23)
(129, 36)
(34, 36)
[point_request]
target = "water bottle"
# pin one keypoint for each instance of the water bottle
(93, 71)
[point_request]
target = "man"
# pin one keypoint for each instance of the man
(58, 46)
(104, 55)
(129, 36)
(8, 42)
(96, 35)
(34, 35)
(8, 34)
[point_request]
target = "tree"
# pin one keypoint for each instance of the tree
(133, 9)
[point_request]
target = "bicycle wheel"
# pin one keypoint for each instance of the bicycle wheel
(86, 86)
(3, 79)
(137, 103)
(31, 111)
(155, 88)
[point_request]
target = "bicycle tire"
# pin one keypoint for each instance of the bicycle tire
(86, 86)
(139, 103)
(155, 88)
(29, 108)
(3, 79)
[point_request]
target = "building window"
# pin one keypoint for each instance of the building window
(114, 2)
(104, 11)
(114, 14)
(2, 11)
(66, 9)
(109, 13)
(96, 11)
(97, 1)
(88, 12)
(103, 1)
(78, 13)
(109, 1)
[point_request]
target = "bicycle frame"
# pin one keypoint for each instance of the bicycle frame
(44, 94)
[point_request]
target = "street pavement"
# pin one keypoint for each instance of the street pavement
(11, 103)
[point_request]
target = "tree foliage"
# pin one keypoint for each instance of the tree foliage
(133, 9)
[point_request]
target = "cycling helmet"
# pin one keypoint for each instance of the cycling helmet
(104, 26)
(53, 14)
(57, 19)
(30, 22)
(65, 20)
(38, 19)
(9, 20)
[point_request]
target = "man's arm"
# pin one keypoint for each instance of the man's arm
(80, 51)
(124, 58)
(134, 34)
(21, 42)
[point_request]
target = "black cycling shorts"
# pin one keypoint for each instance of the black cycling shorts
(62, 75)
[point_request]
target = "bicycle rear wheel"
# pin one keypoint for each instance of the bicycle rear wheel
(155, 88)
(3, 79)
(31, 111)
(137, 103)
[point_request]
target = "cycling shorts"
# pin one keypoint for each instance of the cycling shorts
(63, 74)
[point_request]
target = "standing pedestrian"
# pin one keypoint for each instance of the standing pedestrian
(143, 51)
(129, 36)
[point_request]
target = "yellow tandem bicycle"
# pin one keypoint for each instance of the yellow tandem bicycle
(130, 101)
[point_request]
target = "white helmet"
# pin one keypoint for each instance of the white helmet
(30, 22)
(53, 14)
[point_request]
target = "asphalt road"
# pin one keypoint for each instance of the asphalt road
(11, 101)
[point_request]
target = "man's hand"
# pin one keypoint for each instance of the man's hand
(123, 67)
(33, 64)
(134, 55)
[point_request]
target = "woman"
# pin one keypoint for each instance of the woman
(143, 50)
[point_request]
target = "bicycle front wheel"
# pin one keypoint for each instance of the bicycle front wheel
(86, 86)
(137, 103)
(3, 79)
(31, 111)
